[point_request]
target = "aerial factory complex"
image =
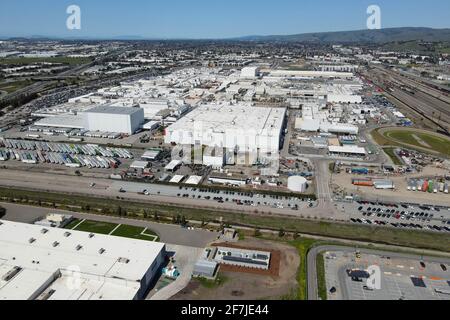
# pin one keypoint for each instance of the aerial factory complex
(208, 170)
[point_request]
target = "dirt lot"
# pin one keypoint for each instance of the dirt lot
(400, 193)
(247, 286)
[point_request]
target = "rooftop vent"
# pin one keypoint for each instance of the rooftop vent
(44, 231)
(101, 251)
(31, 240)
(55, 244)
(123, 260)
(11, 273)
(91, 235)
(67, 234)
(79, 247)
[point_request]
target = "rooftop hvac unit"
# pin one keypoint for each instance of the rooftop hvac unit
(101, 251)
(79, 247)
(67, 234)
(11, 273)
(55, 244)
(123, 260)
(31, 240)
(91, 235)
(44, 231)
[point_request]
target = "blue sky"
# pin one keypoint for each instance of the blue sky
(212, 18)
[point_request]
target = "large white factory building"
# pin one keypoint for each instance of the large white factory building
(114, 119)
(234, 127)
(40, 263)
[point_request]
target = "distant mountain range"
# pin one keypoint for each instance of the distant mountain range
(359, 36)
(362, 36)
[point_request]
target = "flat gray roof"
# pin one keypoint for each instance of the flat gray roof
(107, 109)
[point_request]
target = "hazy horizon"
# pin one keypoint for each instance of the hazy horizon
(202, 19)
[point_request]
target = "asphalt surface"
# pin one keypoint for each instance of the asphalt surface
(311, 261)
(109, 189)
(171, 234)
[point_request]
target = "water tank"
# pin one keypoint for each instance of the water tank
(297, 184)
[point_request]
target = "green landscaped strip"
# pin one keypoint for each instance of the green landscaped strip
(127, 231)
(72, 224)
(303, 246)
(96, 227)
(321, 280)
(391, 153)
(381, 235)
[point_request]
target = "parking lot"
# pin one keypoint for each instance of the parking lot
(240, 198)
(70, 155)
(402, 278)
(406, 216)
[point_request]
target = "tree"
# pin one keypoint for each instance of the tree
(119, 211)
(257, 233)
(281, 233)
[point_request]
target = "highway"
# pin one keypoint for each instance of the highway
(311, 261)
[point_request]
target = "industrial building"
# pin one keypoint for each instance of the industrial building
(42, 263)
(240, 127)
(103, 118)
(253, 259)
(114, 119)
(249, 72)
(347, 150)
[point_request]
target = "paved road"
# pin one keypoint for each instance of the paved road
(105, 189)
(171, 234)
(312, 262)
(185, 259)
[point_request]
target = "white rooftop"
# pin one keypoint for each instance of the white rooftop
(116, 273)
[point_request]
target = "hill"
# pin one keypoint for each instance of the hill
(362, 36)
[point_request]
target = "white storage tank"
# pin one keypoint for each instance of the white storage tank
(297, 184)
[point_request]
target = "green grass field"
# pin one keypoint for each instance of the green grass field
(391, 153)
(125, 231)
(135, 233)
(413, 140)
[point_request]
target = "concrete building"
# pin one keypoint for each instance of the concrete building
(214, 157)
(114, 119)
(234, 127)
(252, 259)
(39, 263)
(205, 268)
(249, 72)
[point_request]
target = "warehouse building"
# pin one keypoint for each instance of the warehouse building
(240, 127)
(41, 263)
(103, 118)
(114, 119)
(347, 150)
